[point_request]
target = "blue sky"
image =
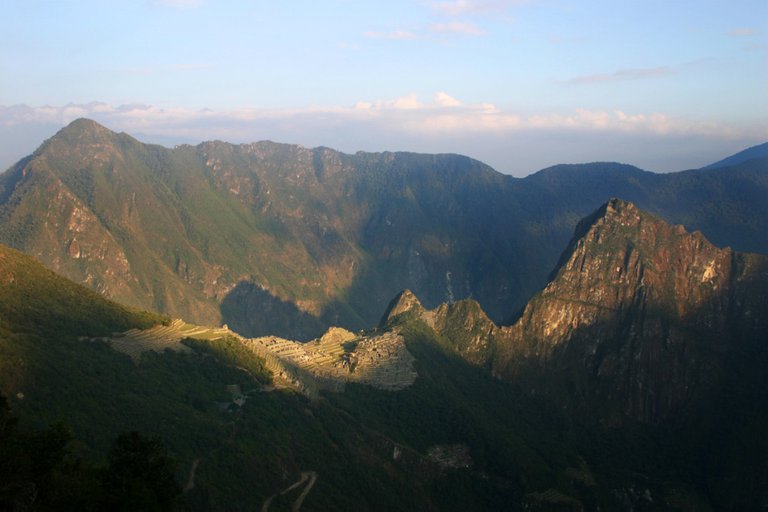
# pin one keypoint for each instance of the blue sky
(518, 84)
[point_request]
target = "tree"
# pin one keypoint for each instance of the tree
(31, 464)
(140, 475)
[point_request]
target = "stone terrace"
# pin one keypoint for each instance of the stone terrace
(329, 362)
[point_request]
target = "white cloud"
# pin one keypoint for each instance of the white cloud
(458, 27)
(445, 100)
(455, 7)
(444, 114)
(409, 102)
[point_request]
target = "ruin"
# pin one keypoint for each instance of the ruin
(326, 363)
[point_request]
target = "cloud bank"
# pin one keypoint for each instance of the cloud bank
(441, 114)
(439, 124)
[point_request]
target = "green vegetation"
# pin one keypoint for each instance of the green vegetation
(231, 351)
(140, 475)
(248, 453)
(39, 472)
(37, 301)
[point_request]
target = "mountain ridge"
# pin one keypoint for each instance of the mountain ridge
(219, 233)
(758, 151)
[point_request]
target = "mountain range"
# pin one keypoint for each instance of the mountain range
(542, 358)
(280, 239)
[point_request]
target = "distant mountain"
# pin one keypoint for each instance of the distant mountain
(755, 152)
(274, 238)
(215, 232)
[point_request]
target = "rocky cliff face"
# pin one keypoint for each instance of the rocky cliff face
(639, 316)
(639, 319)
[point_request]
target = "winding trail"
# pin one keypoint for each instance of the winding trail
(305, 475)
(191, 480)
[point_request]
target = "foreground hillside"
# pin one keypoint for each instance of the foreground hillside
(280, 239)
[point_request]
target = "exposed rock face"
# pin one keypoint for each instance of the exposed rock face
(638, 317)
(464, 322)
(638, 320)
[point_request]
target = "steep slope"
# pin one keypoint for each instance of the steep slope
(755, 152)
(34, 300)
(471, 333)
(646, 312)
(279, 239)
(640, 319)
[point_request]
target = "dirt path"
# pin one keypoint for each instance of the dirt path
(305, 475)
(191, 480)
(312, 478)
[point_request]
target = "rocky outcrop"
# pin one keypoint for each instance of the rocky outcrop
(404, 302)
(638, 317)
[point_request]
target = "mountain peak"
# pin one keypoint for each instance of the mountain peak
(83, 130)
(404, 302)
(616, 205)
(614, 212)
(84, 125)
(631, 294)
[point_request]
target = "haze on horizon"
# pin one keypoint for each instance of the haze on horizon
(518, 84)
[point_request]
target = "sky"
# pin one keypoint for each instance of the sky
(518, 84)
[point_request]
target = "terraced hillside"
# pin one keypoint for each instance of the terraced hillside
(329, 362)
